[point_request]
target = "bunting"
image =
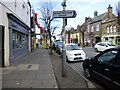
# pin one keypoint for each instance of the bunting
(38, 25)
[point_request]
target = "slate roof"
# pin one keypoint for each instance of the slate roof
(98, 18)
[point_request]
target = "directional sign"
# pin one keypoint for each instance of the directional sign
(64, 14)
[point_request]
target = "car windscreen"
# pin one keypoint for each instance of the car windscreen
(110, 44)
(72, 47)
(59, 44)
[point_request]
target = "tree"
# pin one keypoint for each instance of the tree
(46, 12)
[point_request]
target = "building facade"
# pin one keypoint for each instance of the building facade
(15, 22)
(103, 27)
(73, 36)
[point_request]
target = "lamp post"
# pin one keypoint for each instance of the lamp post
(63, 40)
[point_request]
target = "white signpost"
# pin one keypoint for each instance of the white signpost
(64, 14)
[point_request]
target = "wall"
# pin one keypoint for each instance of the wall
(20, 8)
(9, 7)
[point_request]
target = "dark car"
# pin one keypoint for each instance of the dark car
(54, 44)
(105, 67)
(58, 47)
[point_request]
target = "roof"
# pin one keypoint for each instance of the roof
(98, 18)
(83, 24)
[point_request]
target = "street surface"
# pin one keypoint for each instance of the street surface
(77, 66)
(71, 79)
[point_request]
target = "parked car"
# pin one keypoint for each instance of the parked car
(105, 67)
(54, 44)
(101, 46)
(74, 53)
(59, 47)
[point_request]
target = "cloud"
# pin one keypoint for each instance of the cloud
(89, 1)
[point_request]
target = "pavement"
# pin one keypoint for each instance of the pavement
(39, 69)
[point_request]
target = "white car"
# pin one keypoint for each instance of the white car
(74, 53)
(101, 46)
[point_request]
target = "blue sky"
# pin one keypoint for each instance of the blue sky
(84, 8)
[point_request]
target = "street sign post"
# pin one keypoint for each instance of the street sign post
(64, 14)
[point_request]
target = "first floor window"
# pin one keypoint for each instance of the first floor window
(92, 29)
(97, 27)
(114, 28)
(108, 29)
(111, 29)
(88, 28)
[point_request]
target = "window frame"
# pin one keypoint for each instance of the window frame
(97, 27)
(114, 28)
(111, 29)
(108, 29)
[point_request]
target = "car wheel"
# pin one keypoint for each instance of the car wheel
(61, 55)
(59, 52)
(67, 59)
(87, 73)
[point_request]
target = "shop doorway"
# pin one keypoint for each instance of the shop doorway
(97, 39)
(1, 46)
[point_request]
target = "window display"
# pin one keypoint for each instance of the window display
(19, 40)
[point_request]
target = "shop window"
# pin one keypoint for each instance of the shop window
(19, 40)
(13, 38)
(106, 38)
(118, 40)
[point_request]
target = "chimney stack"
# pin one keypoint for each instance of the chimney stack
(109, 11)
(95, 13)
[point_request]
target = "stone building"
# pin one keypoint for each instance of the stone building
(73, 36)
(103, 27)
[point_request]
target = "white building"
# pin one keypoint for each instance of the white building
(14, 30)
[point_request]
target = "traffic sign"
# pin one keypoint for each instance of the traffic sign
(64, 14)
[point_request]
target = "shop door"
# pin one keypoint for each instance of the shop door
(1, 46)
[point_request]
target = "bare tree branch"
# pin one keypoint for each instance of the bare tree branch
(46, 12)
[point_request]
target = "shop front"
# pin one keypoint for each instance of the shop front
(115, 39)
(18, 37)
